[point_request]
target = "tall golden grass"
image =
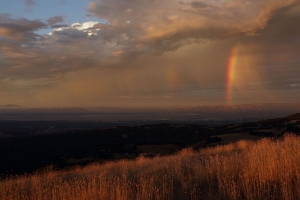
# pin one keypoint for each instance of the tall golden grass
(267, 169)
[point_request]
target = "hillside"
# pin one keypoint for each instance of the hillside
(266, 169)
(27, 154)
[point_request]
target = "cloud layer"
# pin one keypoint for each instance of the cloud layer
(183, 46)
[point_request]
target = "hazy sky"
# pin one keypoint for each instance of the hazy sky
(143, 53)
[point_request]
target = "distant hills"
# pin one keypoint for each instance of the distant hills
(9, 106)
(220, 112)
(287, 119)
(272, 107)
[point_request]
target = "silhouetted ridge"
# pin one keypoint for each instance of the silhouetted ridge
(295, 116)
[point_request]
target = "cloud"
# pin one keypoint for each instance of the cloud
(196, 4)
(54, 20)
(19, 29)
(155, 49)
(9, 106)
(62, 1)
(26, 55)
(59, 26)
(294, 85)
(278, 45)
(158, 22)
(199, 4)
(29, 4)
(133, 29)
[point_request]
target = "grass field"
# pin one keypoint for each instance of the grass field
(266, 169)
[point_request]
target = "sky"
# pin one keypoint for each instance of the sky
(149, 53)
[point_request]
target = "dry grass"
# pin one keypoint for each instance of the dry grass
(265, 169)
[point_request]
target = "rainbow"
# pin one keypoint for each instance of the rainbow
(172, 77)
(231, 68)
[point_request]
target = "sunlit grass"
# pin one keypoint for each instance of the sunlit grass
(266, 169)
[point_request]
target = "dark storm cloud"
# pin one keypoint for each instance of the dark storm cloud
(279, 44)
(282, 28)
